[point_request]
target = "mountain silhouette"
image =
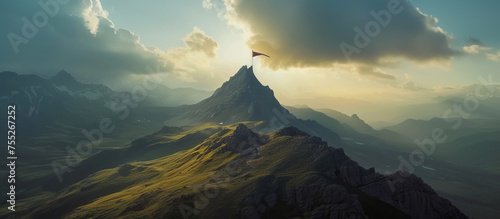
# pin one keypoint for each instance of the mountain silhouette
(241, 98)
(65, 78)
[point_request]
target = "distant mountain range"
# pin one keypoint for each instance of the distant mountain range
(52, 113)
(466, 141)
(163, 96)
(351, 127)
(391, 115)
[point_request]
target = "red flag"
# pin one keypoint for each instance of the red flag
(258, 54)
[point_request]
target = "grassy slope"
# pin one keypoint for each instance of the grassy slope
(158, 187)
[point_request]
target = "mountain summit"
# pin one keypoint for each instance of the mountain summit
(64, 78)
(244, 87)
(241, 98)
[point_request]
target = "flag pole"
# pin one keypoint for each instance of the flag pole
(252, 59)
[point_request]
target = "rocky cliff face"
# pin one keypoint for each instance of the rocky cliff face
(304, 177)
(411, 195)
(333, 186)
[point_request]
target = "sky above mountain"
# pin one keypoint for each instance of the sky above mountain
(387, 51)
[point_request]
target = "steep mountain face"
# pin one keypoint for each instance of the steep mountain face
(236, 173)
(242, 98)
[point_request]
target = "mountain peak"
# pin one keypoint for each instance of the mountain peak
(63, 77)
(242, 81)
(241, 98)
(246, 73)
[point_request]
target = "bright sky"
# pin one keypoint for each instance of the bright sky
(462, 19)
(425, 49)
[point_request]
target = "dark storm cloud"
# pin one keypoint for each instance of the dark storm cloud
(74, 35)
(309, 33)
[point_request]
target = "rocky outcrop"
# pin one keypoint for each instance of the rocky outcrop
(125, 169)
(291, 131)
(333, 191)
(238, 141)
(411, 195)
(315, 199)
(326, 201)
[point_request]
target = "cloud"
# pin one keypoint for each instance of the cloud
(309, 33)
(374, 72)
(195, 57)
(493, 56)
(475, 49)
(199, 41)
(383, 77)
(207, 4)
(410, 85)
(91, 15)
(78, 37)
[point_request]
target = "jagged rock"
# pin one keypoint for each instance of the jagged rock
(320, 197)
(291, 131)
(410, 194)
(249, 212)
(125, 169)
(271, 200)
(239, 141)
